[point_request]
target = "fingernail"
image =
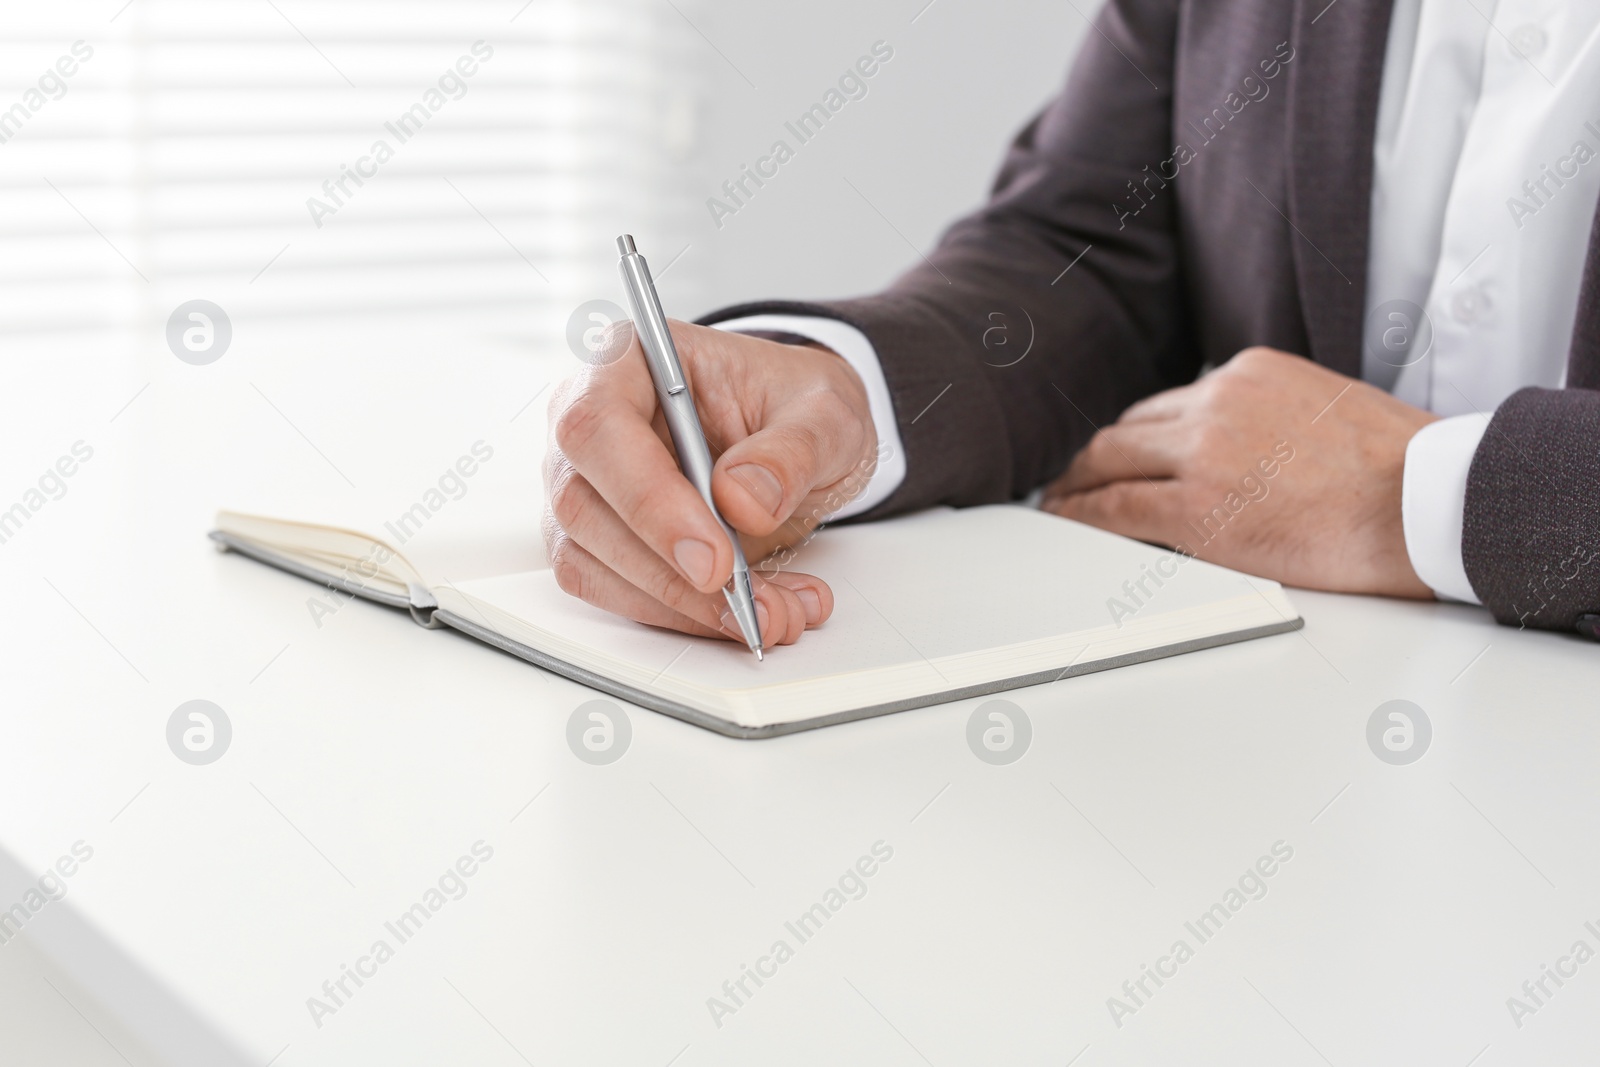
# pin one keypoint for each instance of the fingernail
(762, 484)
(812, 603)
(761, 619)
(695, 560)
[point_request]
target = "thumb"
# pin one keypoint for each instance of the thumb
(759, 482)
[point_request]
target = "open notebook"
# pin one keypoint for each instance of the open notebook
(928, 608)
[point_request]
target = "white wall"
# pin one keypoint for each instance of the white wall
(922, 145)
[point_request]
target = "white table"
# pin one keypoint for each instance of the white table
(368, 755)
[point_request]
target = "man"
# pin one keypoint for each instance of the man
(1372, 217)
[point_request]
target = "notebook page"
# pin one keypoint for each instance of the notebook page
(907, 591)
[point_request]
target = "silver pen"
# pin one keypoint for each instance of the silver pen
(683, 422)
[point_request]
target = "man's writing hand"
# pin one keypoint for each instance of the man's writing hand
(792, 435)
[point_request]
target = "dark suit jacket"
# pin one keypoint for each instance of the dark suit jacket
(1256, 235)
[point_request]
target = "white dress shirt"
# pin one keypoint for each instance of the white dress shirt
(1486, 178)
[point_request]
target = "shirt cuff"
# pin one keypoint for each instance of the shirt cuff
(1433, 500)
(852, 345)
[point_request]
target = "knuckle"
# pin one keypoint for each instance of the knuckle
(551, 532)
(676, 593)
(567, 568)
(1226, 388)
(1254, 364)
(578, 423)
(795, 456)
(651, 502)
(841, 425)
(554, 467)
(550, 527)
(569, 498)
(1074, 508)
(1100, 448)
(831, 409)
(1092, 507)
(1116, 498)
(560, 396)
(1224, 380)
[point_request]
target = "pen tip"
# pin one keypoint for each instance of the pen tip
(759, 657)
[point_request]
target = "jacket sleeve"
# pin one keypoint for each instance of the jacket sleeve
(1056, 265)
(1531, 527)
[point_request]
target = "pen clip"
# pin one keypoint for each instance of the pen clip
(672, 380)
(649, 320)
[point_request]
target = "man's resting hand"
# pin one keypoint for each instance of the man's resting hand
(1207, 467)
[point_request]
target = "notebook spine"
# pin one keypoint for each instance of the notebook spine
(423, 606)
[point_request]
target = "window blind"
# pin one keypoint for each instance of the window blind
(289, 158)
